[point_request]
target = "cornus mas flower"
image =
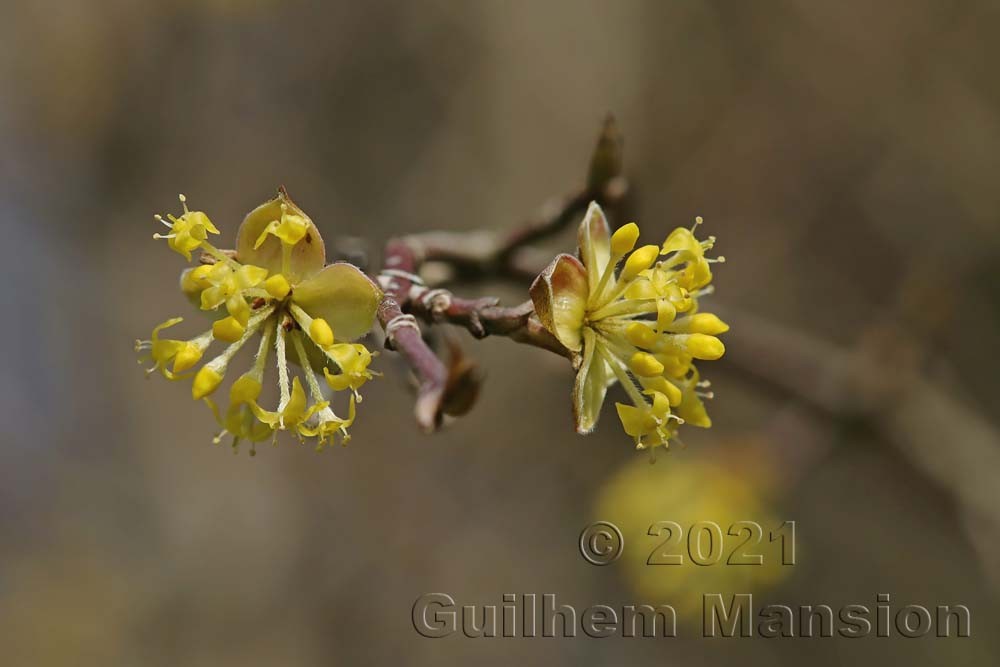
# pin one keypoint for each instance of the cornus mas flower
(630, 315)
(275, 288)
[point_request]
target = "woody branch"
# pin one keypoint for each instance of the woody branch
(477, 255)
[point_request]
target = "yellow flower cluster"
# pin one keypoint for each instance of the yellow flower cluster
(630, 315)
(275, 285)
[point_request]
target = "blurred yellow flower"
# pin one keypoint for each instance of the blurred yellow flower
(276, 285)
(693, 494)
(622, 325)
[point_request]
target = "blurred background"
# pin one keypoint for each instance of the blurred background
(846, 155)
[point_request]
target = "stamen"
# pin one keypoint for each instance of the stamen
(622, 308)
(704, 291)
(627, 383)
(622, 349)
(596, 297)
(316, 327)
(210, 375)
(622, 243)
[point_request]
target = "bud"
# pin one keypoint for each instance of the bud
(624, 238)
(228, 329)
(205, 382)
(644, 364)
(606, 162)
(639, 261)
(320, 332)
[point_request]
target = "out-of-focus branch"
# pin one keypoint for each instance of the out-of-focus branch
(471, 256)
(882, 383)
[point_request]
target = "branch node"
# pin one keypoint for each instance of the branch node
(399, 321)
(437, 301)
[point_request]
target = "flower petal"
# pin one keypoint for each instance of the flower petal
(343, 296)
(692, 411)
(592, 382)
(594, 239)
(559, 294)
(308, 255)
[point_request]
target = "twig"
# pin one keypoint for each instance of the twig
(882, 384)
(483, 317)
(474, 256)
(478, 255)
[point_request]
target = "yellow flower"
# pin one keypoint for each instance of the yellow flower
(275, 286)
(186, 232)
(630, 315)
(240, 421)
(695, 492)
(353, 360)
(184, 354)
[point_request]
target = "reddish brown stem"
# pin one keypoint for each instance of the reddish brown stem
(472, 256)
